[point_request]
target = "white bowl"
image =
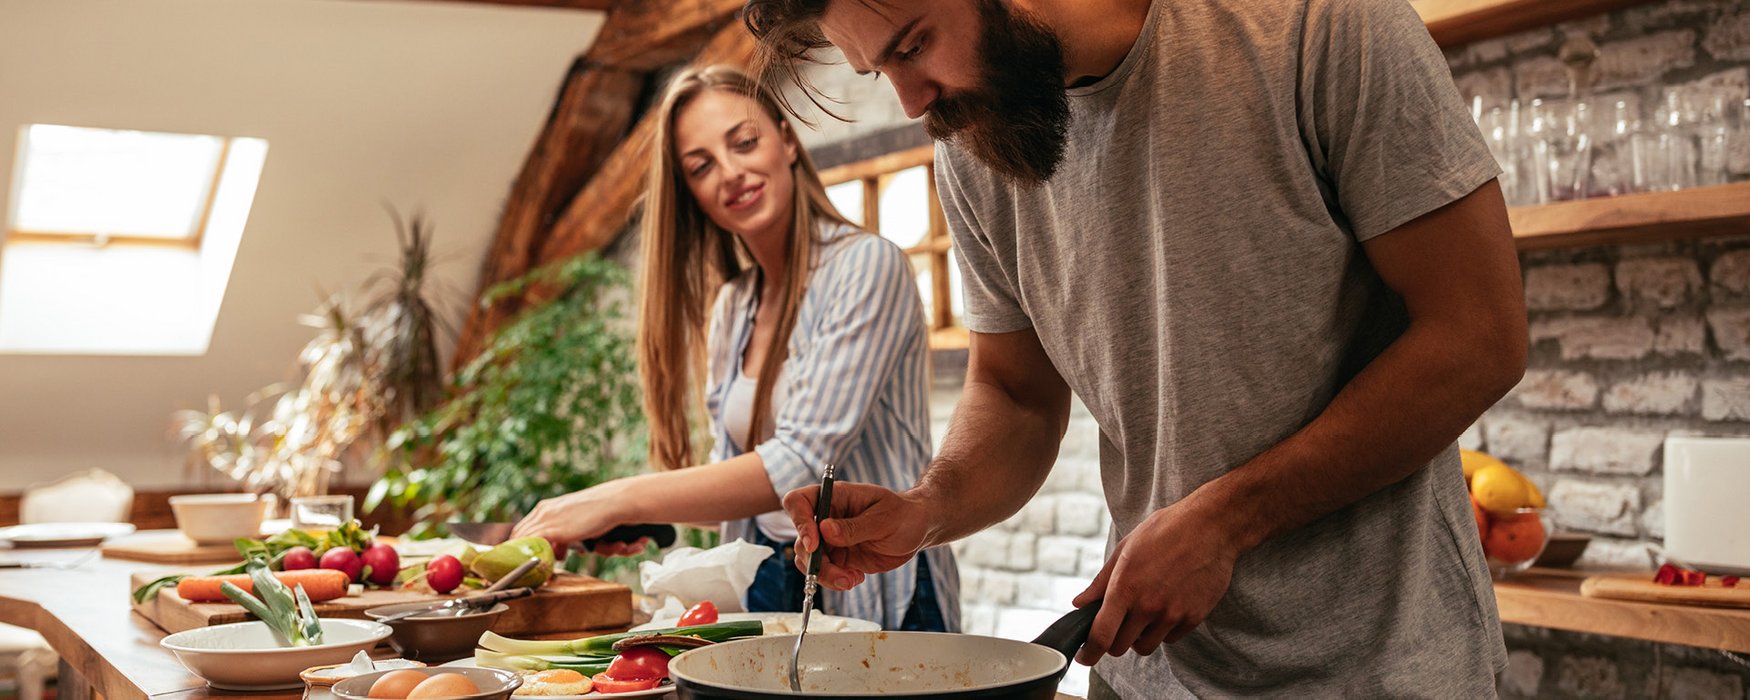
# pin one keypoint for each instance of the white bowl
(246, 656)
(219, 518)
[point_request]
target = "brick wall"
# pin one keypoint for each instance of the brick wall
(1630, 344)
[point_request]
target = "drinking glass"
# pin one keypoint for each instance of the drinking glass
(1562, 149)
(321, 512)
(1616, 161)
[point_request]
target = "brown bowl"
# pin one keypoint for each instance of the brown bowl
(494, 684)
(1564, 549)
(439, 636)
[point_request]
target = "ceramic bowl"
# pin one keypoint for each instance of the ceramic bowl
(439, 636)
(219, 518)
(246, 656)
(493, 683)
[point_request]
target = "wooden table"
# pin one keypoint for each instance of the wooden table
(106, 648)
(1551, 598)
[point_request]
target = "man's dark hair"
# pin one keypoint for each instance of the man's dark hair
(788, 32)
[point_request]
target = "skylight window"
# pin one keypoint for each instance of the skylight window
(122, 242)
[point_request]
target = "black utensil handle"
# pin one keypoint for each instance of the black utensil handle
(487, 599)
(662, 535)
(822, 511)
(1070, 632)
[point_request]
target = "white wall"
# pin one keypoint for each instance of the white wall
(428, 105)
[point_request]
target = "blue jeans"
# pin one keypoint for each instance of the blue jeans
(777, 587)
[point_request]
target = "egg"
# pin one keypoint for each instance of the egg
(555, 682)
(395, 685)
(444, 685)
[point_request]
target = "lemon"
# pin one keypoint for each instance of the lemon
(1498, 488)
(1536, 496)
(1474, 460)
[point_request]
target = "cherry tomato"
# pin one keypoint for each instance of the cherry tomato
(704, 613)
(603, 683)
(639, 663)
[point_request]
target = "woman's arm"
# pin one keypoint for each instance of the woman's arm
(729, 490)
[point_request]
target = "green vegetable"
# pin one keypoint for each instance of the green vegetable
(586, 665)
(603, 645)
(289, 615)
(495, 563)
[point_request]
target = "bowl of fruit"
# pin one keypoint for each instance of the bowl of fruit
(1508, 509)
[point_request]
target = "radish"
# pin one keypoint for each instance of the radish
(384, 563)
(443, 573)
(343, 559)
(298, 558)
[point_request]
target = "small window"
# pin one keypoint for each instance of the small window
(103, 185)
(121, 242)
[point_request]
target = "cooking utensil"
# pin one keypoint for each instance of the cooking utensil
(811, 580)
(504, 581)
(495, 533)
(459, 606)
(888, 664)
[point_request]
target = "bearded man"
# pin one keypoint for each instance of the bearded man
(1262, 241)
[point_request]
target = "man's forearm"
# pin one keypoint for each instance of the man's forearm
(997, 453)
(1398, 413)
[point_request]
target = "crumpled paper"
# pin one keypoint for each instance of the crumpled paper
(688, 575)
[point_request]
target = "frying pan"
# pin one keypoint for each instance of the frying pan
(496, 533)
(886, 664)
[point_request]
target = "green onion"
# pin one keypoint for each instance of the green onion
(291, 617)
(603, 645)
(586, 665)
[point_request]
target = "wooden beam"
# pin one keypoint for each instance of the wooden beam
(596, 5)
(647, 35)
(588, 120)
(600, 211)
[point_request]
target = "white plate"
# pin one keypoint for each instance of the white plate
(659, 691)
(245, 655)
(62, 534)
(781, 623)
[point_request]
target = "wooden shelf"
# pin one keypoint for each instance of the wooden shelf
(1551, 598)
(1637, 218)
(1454, 22)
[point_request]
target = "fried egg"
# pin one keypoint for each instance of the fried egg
(555, 682)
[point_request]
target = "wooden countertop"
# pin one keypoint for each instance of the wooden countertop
(1551, 598)
(84, 614)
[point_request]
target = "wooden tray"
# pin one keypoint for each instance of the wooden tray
(1640, 587)
(169, 548)
(568, 602)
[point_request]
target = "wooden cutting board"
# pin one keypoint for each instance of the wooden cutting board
(169, 548)
(1640, 587)
(568, 602)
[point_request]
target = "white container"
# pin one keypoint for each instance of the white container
(247, 656)
(219, 518)
(1707, 503)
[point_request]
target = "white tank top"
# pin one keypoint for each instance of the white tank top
(737, 416)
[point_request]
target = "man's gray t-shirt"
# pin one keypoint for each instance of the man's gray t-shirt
(1194, 270)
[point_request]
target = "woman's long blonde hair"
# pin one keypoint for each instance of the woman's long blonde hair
(687, 258)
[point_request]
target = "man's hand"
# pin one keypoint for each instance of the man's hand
(871, 530)
(1160, 583)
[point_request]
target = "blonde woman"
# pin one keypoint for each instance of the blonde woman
(812, 353)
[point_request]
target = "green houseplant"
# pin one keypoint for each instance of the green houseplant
(549, 407)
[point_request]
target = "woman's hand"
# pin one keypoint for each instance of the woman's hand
(566, 520)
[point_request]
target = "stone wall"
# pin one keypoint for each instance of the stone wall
(1630, 344)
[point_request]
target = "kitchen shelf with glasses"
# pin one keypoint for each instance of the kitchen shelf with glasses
(1455, 22)
(1720, 210)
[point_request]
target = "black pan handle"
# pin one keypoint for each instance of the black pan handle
(1070, 632)
(662, 535)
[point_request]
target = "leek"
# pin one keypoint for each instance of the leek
(586, 665)
(603, 645)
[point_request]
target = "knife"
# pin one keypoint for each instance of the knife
(496, 533)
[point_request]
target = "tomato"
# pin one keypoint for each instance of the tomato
(704, 613)
(603, 683)
(639, 663)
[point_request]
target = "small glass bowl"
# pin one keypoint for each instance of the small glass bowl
(1513, 540)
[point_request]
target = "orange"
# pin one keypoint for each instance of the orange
(1482, 516)
(1513, 537)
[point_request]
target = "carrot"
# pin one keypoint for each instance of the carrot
(319, 584)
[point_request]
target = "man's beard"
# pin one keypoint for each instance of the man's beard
(1018, 120)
